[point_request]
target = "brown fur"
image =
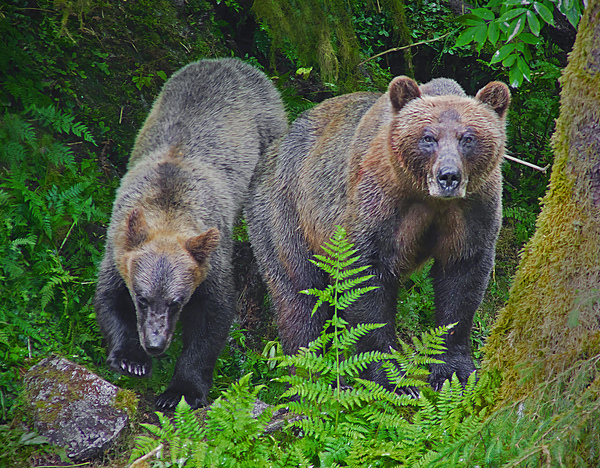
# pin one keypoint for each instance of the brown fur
(169, 248)
(410, 175)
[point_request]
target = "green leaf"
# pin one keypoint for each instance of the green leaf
(529, 38)
(524, 68)
(469, 19)
(502, 53)
(480, 35)
(493, 32)
(515, 28)
(483, 13)
(465, 37)
(509, 61)
(524, 49)
(515, 76)
(573, 16)
(510, 14)
(544, 12)
(533, 22)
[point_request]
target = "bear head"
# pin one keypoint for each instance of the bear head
(162, 270)
(447, 144)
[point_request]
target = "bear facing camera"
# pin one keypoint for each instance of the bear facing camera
(169, 248)
(413, 174)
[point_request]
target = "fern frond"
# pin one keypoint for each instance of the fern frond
(186, 422)
(31, 239)
(143, 446)
(347, 340)
(60, 121)
(349, 298)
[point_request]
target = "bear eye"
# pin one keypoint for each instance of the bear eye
(142, 302)
(428, 139)
(467, 139)
(175, 305)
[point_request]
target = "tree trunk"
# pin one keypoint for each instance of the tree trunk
(552, 319)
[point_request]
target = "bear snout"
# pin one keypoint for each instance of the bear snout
(449, 178)
(155, 344)
(155, 335)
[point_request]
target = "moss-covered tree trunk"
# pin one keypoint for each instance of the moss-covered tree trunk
(552, 319)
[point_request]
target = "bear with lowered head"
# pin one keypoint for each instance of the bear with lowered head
(168, 254)
(411, 175)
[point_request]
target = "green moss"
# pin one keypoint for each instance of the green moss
(127, 401)
(550, 321)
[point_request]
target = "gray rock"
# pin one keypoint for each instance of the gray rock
(75, 409)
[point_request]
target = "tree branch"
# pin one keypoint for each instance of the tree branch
(528, 164)
(396, 49)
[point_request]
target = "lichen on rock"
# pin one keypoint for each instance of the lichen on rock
(75, 408)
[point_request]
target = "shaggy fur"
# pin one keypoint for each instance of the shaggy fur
(169, 248)
(410, 176)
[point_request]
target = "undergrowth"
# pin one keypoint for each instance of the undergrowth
(50, 207)
(335, 418)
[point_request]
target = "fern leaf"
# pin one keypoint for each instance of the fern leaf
(349, 298)
(143, 446)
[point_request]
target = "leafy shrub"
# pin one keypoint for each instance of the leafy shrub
(50, 209)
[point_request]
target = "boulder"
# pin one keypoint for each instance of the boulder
(75, 409)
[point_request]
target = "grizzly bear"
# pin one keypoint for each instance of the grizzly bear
(169, 246)
(412, 174)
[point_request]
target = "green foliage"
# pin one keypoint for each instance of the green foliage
(146, 80)
(239, 359)
(416, 308)
(342, 420)
(231, 435)
(49, 207)
(343, 292)
(18, 446)
(513, 28)
(322, 34)
(554, 426)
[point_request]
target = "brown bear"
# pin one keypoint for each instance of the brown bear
(169, 246)
(411, 174)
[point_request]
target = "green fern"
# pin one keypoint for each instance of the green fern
(61, 122)
(51, 208)
(230, 437)
(344, 420)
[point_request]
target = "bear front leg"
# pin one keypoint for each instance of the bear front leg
(459, 288)
(115, 313)
(205, 321)
(379, 306)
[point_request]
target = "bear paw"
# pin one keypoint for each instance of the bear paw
(169, 400)
(441, 372)
(137, 364)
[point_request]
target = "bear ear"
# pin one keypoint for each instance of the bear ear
(200, 247)
(497, 96)
(137, 230)
(401, 90)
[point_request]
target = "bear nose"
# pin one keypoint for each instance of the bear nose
(155, 345)
(155, 341)
(449, 178)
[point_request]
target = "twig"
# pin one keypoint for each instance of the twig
(60, 466)
(396, 49)
(145, 457)
(528, 164)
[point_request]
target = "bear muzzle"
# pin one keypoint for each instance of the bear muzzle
(156, 334)
(447, 179)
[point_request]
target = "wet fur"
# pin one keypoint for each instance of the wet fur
(355, 161)
(169, 248)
